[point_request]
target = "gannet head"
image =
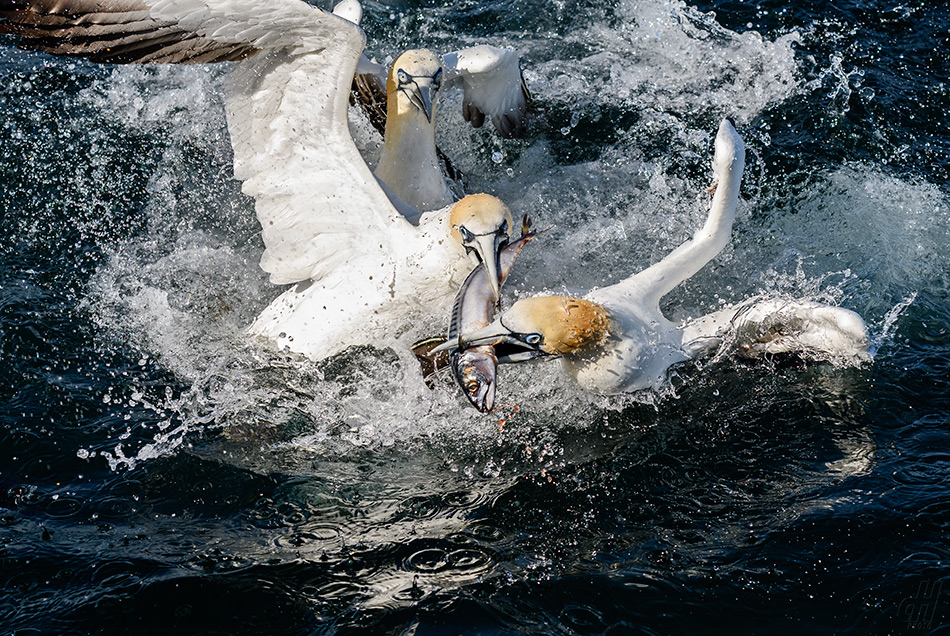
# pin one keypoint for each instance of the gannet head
(482, 224)
(414, 82)
(543, 326)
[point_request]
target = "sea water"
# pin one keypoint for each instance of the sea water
(161, 471)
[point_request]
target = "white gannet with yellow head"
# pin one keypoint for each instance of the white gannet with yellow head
(616, 339)
(362, 256)
(409, 163)
(412, 89)
(383, 290)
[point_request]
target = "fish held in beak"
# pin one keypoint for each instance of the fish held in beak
(475, 371)
(475, 368)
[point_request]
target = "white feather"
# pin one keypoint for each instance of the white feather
(492, 83)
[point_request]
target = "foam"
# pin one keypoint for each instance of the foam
(183, 291)
(668, 59)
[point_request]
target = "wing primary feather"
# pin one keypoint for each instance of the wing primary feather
(371, 98)
(118, 31)
(494, 87)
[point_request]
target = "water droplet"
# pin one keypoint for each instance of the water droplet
(497, 156)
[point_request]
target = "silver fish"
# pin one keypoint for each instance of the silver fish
(475, 368)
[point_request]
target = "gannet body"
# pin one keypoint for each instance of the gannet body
(363, 251)
(616, 339)
(384, 290)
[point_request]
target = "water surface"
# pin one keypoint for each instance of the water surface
(159, 473)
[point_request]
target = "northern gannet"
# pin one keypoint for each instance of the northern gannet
(362, 257)
(616, 339)
(382, 290)
(409, 162)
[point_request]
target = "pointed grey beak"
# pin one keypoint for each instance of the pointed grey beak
(421, 97)
(489, 248)
(490, 334)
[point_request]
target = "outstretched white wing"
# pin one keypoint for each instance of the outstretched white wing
(493, 86)
(650, 285)
(319, 205)
(162, 31)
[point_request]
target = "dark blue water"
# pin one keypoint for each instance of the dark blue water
(159, 474)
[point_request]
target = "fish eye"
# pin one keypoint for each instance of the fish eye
(402, 76)
(467, 237)
(533, 338)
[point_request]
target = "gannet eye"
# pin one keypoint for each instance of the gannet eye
(437, 80)
(467, 237)
(402, 76)
(533, 338)
(504, 227)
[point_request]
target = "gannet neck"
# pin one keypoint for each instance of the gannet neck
(410, 136)
(410, 165)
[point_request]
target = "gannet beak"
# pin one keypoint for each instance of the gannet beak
(421, 98)
(488, 248)
(490, 334)
(509, 347)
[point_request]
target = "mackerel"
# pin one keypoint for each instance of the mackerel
(475, 368)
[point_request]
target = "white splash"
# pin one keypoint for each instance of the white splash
(183, 291)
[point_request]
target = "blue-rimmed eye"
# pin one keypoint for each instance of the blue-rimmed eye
(533, 338)
(467, 237)
(402, 76)
(437, 79)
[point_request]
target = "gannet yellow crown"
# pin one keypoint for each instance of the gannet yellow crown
(559, 325)
(482, 224)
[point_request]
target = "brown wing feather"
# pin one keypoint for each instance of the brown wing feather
(110, 31)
